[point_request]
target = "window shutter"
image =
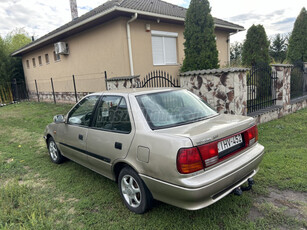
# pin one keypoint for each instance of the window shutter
(170, 50)
(157, 50)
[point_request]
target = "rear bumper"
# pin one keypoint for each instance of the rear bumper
(223, 179)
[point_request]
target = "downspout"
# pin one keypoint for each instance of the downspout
(129, 43)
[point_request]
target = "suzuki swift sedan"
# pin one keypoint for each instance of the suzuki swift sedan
(163, 144)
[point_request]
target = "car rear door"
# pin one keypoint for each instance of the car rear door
(72, 134)
(111, 133)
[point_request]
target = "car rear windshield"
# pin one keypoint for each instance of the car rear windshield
(173, 108)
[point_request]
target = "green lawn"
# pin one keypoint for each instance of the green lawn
(36, 194)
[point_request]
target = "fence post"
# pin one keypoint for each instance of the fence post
(53, 91)
(73, 78)
(16, 95)
(105, 79)
(37, 91)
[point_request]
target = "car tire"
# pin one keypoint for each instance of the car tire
(54, 153)
(134, 192)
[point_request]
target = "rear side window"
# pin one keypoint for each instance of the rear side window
(112, 114)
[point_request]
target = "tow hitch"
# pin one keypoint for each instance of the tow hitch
(239, 190)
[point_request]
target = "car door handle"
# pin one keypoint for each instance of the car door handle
(118, 145)
(81, 137)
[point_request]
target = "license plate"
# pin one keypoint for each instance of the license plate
(230, 142)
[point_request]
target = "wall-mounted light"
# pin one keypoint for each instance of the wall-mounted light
(147, 27)
(158, 20)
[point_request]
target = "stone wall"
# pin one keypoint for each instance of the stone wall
(123, 82)
(278, 112)
(224, 89)
(64, 97)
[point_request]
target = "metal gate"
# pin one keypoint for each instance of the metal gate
(298, 80)
(158, 79)
(261, 85)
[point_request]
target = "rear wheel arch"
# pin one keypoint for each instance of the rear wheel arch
(118, 167)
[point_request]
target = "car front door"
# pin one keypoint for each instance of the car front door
(111, 134)
(72, 134)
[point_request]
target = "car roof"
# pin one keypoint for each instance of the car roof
(136, 91)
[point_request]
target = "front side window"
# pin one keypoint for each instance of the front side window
(112, 114)
(173, 108)
(164, 47)
(28, 65)
(82, 112)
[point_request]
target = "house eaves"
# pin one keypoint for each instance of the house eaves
(113, 11)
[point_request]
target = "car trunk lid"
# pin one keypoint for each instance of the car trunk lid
(211, 129)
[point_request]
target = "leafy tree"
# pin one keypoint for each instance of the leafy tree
(236, 53)
(298, 40)
(3, 60)
(11, 67)
(255, 47)
(200, 45)
(278, 48)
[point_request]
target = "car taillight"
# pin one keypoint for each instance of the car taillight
(189, 161)
(209, 153)
(197, 158)
(252, 135)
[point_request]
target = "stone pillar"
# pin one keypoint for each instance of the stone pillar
(123, 82)
(283, 84)
(224, 89)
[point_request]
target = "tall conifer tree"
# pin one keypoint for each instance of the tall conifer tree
(200, 45)
(297, 50)
(255, 47)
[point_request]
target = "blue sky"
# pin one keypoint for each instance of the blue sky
(39, 17)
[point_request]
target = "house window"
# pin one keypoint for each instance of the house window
(47, 58)
(164, 47)
(56, 57)
(33, 61)
(28, 64)
(40, 60)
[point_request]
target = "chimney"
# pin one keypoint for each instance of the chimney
(73, 9)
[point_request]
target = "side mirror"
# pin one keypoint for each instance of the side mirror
(59, 119)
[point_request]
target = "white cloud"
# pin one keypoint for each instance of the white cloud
(277, 16)
(40, 17)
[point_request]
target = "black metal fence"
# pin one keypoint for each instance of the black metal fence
(19, 90)
(298, 81)
(158, 79)
(261, 85)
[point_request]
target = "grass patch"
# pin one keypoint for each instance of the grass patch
(36, 194)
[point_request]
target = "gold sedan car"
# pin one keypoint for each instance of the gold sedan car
(163, 144)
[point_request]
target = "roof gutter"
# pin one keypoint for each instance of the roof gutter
(134, 17)
(237, 29)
